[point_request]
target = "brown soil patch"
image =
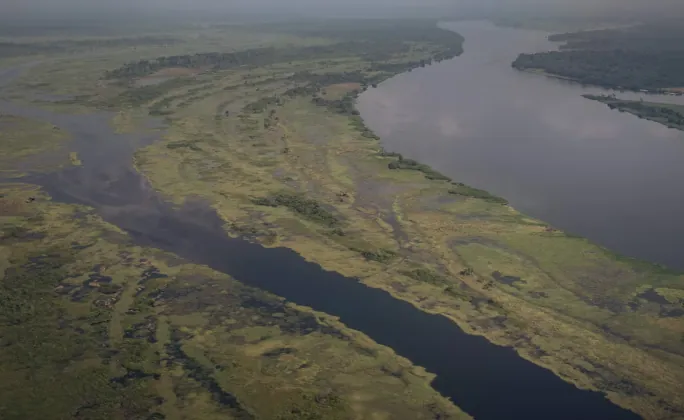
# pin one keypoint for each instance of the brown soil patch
(676, 90)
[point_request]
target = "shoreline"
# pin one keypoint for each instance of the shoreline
(427, 168)
(51, 200)
(641, 109)
(529, 320)
(540, 71)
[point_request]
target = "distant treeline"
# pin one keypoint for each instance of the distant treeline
(378, 31)
(18, 49)
(647, 57)
(666, 36)
(222, 61)
(12, 49)
(633, 70)
(368, 43)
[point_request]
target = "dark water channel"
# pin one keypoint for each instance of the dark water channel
(487, 381)
(569, 161)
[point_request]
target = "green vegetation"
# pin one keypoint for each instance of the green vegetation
(560, 23)
(426, 276)
(366, 43)
(381, 36)
(564, 315)
(669, 115)
(145, 94)
(20, 49)
(54, 363)
(26, 144)
(298, 203)
(74, 159)
(276, 147)
(661, 36)
(95, 327)
(468, 191)
(648, 57)
(378, 255)
(412, 165)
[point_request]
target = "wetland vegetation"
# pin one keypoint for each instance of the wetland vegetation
(263, 128)
(95, 327)
(666, 114)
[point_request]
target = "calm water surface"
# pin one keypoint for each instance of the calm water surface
(569, 161)
(487, 381)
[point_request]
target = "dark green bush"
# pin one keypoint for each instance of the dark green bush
(379, 255)
(467, 191)
(412, 165)
(426, 276)
(298, 203)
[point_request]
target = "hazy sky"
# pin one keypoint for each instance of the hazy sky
(83, 6)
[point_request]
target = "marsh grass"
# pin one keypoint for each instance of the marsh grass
(300, 204)
(669, 115)
(112, 330)
(378, 255)
(468, 191)
(412, 165)
(572, 315)
(23, 139)
(425, 275)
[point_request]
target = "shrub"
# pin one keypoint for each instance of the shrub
(379, 255)
(467, 191)
(412, 165)
(310, 209)
(426, 276)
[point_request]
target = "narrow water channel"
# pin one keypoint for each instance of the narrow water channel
(487, 381)
(571, 162)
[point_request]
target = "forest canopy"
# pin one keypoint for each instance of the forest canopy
(643, 57)
(375, 40)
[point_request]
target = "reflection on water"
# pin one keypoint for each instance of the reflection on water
(487, 381)
(534, 140)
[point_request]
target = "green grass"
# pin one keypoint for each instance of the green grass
(393, 229)
(298, 203)
(378, 255)
(412, 165)
(470, 192)
(104, 329)
(667, 114)
(425, 275)
(26, 139)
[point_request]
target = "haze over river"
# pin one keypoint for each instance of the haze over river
(572, 162)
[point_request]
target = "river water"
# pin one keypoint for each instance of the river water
(532, 139)
(487, 381)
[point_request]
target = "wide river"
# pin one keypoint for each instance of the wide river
(534, 140)
(487, 381)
